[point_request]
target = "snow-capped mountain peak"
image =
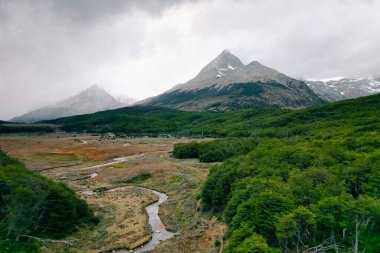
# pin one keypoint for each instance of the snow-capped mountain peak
(222, 63)
(227, 68)
(347, 87)
(226, 83)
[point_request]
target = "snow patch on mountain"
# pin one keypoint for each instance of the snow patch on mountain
(347, 87)
(227, 83)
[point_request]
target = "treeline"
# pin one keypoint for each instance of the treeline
(133, 121)
(32, 205)
(158, 121)
(214, 151)
(7, 129)
(360, 114)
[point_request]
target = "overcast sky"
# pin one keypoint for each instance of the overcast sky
(51, 49)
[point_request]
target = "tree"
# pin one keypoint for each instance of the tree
(244, 189)
(25, 209)
(365, 211)
(298, 226)
(260, 211)
(253, 244)
(31, 205)
(353, 217)
(313, 184)
(333, 219)
(239, 235)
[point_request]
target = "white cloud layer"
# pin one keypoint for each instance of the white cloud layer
(51, 49)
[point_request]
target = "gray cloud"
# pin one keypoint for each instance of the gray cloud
(51, 49)
(89, 11)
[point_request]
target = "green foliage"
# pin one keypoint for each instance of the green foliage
(139, 178)
(253, 244)
(214, 151)
(300, 191)
(295, 227)
(220, 150)
(7, 129)
(316, 185)
(33, 205)
(186, 150)
(245, 240)
(260, 212)
(20, 246)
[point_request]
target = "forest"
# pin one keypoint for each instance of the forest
(299, 194)
(312, 185)
(20, 128)
(214, 151)
(34, 209)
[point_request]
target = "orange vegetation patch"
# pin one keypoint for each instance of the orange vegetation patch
(97, 152)
(89, 147)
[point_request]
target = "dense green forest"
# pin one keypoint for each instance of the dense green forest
(300, 193)
(311, 181)
(360, 114)
(14, 128)
(32, 205)
(214, 151)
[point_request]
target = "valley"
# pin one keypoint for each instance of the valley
(90, 163)
(189, 126)
(265, 174)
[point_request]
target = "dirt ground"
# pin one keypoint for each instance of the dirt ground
(90, 162)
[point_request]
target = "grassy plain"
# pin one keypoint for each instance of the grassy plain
(146, 162)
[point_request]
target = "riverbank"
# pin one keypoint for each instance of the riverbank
(158, 230)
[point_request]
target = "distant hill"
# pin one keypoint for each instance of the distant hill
(91, 100)
(344, 88)
(226, 83)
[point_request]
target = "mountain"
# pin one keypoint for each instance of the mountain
(226, 83)
(345, 88)
(91, 100)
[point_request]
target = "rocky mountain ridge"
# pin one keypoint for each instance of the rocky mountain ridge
(226, 83)
(346, 88)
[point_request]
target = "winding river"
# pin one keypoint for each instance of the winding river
(158, 228)
(159, 232)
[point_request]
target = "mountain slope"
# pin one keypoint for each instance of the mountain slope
(226, 83)
(90, 100)
(344, 88)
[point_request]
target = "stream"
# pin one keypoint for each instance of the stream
(116, 160)
(159, 232)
